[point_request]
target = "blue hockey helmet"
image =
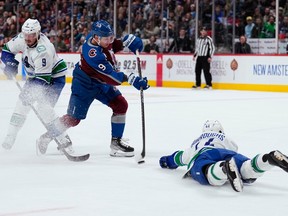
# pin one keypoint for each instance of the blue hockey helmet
(101, 28)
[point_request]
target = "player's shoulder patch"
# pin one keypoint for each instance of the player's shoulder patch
(92, 52)
(40, 48)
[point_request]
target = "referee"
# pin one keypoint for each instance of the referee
(204, 52)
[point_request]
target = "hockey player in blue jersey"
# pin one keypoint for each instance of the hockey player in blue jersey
(212, 159)
(96, 77)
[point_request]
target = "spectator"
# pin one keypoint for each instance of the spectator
(82, 23)
(151, 47)
(148, 30)
(283, 28)
(242, 47)
(257, 29)
(249, 27)
(249, 7)
(266, 14)
(61, 46)
(121, 24)
(257, 13)
(181, 44)
(269, 28)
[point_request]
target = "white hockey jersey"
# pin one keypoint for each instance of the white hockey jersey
(207, 141)
(41, 61)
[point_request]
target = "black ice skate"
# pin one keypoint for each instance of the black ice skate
(233, 175)
(119, 148)
(276, 158)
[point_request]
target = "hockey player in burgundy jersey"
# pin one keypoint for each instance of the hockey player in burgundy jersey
(213, 159)
(95, 77)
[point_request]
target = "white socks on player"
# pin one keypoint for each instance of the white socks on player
(216, 175)
(255, 167)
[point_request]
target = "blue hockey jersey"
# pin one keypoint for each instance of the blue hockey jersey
(100, 63)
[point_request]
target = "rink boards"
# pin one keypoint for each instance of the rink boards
(234, 72)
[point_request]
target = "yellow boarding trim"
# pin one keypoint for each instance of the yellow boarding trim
(229, 86)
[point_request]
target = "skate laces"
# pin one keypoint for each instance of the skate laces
(65, 143)
(124, 142)
(121, 142)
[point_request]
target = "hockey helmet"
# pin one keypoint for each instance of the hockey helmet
(31, 26)
(212, 126)
(102, 28)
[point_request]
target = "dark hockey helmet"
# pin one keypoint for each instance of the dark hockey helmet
(101, 28)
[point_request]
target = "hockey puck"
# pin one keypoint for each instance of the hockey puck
(141, 161)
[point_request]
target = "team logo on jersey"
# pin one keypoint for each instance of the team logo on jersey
(92, 53)
(40, 48)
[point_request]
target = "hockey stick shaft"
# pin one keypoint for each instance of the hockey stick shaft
(69, 157)
(142, 107)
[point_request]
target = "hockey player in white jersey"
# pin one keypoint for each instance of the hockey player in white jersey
(212, 159)
(45, 79)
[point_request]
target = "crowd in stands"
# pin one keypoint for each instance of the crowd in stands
(254, 19)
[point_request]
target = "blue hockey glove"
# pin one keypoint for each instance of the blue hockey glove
(137, 82)
(133, 43)
(11, 68)
(168, 161)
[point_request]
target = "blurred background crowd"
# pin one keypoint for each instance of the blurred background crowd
(67, 22)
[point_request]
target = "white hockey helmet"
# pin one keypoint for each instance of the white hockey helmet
(31, 26)
(212, 126)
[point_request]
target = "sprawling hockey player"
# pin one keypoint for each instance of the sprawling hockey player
(45, 78)
(212, 159)
(96, 77)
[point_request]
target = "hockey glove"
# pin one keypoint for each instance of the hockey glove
(168, 161)
(133, 43)
(137, 82)
(11, 68)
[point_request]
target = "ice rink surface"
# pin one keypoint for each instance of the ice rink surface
(50, 185)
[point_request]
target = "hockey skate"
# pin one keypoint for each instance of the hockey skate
(66, 144)
(45, 139)
(42, 143)
(119, 148)
(276, 158)
(233, 175)
(9, 141)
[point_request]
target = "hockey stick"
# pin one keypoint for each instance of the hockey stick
(141, 160)
(69, 157)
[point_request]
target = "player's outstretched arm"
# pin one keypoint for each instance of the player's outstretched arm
(133, 43)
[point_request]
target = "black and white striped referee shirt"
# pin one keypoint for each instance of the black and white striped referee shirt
(204, 47)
